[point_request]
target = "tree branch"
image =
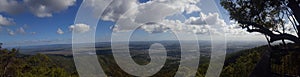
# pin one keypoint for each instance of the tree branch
(273, 37)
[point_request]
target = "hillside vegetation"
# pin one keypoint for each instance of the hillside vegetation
(237, 64)
(14, 64)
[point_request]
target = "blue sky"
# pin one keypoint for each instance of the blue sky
(40, 27)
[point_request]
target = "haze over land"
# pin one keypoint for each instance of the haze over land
(104, 47)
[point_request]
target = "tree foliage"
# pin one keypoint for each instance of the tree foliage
(14, 64)
(238, 64)
(266, 16)
(242, 63)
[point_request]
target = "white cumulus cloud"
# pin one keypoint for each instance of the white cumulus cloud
(234, 29)
(80, 28)
(152, 16)
(6, 21)
(133, 8)
(210, 19)
(10, 32)
(59, 31)
(196, 25)
(21, 30)
(119, 7)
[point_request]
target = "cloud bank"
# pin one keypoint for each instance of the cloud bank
(40, 8)
(151, 17)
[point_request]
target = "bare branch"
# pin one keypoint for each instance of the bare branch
(273, 37)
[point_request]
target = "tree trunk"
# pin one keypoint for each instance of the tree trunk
(294, 6)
